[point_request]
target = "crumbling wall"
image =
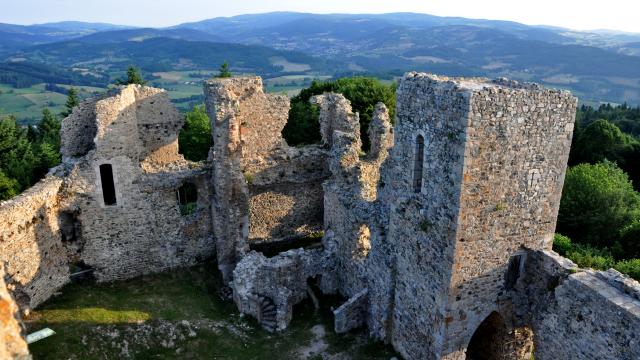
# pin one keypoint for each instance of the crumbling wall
(282, 279)
(580, 314)
(31, 245)
(144, 230)
(264, 190)
(475, 175)
(12, 344)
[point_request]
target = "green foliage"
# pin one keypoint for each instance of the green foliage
(630, 241)
(597, 201)
(27, 154)
(602, 140)
(586, 256)
(224, 71)
(195, 137)
(133, 77)
(72, 101)
(8, 187)
(629, 267)
(363, 92)
(561, 244)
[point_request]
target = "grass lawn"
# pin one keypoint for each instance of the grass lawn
(179, 315)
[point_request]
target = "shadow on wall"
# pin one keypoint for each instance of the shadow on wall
(36, 258)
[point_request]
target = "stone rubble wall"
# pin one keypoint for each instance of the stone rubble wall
(582, 314)
(12, 343)
(264, 189)
(517, 145)
(144, 232)
(31, 247)
(421, 223)
(352, 314)
(282, 278)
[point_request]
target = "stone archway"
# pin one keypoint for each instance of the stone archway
(490, 340)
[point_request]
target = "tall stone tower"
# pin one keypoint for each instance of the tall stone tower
(475, 179)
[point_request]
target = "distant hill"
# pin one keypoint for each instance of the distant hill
(16, 37)
(25, 74)
(104, 54)
(146, 34)
(597, 65)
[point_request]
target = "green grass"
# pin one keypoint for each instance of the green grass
(178, 315)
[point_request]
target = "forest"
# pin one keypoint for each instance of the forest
(599, 219)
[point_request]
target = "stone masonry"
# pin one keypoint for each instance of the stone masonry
(439, 238)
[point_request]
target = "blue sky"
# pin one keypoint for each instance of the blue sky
(576, 14)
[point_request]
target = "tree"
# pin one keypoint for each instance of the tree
(8, 187)
(195, 137)
(598, 200)
(630, 241)
(602, 140)
(48, 141)
(133, 77)
(17, 158)
(224, 71)
(72, 101)
(363, 92)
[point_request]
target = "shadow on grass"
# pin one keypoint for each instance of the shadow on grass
(179, 315)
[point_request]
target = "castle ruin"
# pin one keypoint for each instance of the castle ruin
(439, 237)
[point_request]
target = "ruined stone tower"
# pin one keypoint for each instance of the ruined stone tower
(475, 178)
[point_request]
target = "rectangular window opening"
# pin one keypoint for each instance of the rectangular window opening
(108, 186)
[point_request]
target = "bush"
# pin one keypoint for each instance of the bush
(629, 267)
(561, 244)
(363, 92)
(586, 256)
(195, 138)
(630, 241)
(597, 201)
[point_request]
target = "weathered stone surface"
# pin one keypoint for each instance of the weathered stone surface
(439, 236)
(12, 344)
(31, 247)
(352, 314)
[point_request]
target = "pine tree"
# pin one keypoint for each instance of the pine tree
(133, 77)
(72, 101)
(224, 71)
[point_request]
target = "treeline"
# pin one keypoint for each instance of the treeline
(25, 74)
(26, 154)
(303, 126)
(599, 216)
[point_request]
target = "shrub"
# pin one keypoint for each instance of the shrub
(630, 241)
(561, 244)
(629, 267)
(597, 201)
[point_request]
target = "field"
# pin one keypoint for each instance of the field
(179, 315)
(27, 103)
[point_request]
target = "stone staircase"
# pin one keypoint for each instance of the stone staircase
(267, 313)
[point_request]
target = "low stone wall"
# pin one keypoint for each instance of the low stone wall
(282, 279)
(352, 314)
(12, 345)
(588, 314)
(31, 243)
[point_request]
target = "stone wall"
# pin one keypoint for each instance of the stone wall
(264, 190)
(580, 314)
(475, 175)
(31, 245)
(12, 344)
(144, 231)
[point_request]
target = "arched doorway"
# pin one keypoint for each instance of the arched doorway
(489, 341)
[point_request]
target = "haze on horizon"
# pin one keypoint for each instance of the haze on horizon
(620, 15)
